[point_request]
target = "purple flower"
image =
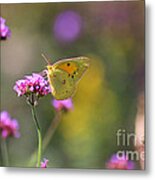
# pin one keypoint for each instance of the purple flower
(66, 104)
(44, 163)
(8, 126)
(67, 26)
(117, 162)
(4, 30)
(32, 84)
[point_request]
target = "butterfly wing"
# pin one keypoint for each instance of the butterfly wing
(64, 74)
(61, 88)
(74, 67)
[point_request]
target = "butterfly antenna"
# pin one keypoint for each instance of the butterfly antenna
(45, 58)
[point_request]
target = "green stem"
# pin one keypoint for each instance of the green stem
(51, 130)
(48, 136)
(39, 135)
(4, 152)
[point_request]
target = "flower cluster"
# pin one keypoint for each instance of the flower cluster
(65, 104)
(4, 30)
(35, 84)
(44, 163)
(121, 163)
(8, 126)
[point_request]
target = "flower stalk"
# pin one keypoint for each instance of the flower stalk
(4, 152)
(48, 136)
(51, 130)
(39, 135)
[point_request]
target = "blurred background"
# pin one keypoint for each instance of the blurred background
(111, 34)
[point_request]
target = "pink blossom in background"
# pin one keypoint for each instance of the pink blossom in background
(4, 30)
(8, 126)
(66, 104)
(121, 163)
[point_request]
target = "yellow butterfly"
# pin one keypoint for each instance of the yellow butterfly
(64, 75)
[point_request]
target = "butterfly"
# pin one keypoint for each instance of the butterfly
(65, 74)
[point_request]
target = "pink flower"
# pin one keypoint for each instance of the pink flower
(44, 163)
(32, 84)
(116, 162)
(8, 126)
(66, 104)
(4, 30)
(21, 87)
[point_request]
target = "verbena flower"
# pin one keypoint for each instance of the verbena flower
(34, 85)
(44, 163)
(66, 104)
(4, 30)
(119, 163)
(67, 26)
(8, 126)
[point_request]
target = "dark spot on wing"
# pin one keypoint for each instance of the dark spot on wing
(68, 64)
(69, 75)
(72, 76)
(64, 81)
(74, 72)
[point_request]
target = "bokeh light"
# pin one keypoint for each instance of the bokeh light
(67, 26)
